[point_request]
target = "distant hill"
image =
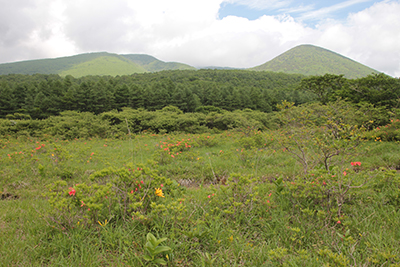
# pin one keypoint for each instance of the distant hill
(314, 60)
(92, 64)
(303, 59)
(152, 64)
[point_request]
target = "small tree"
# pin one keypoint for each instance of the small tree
(317, 134)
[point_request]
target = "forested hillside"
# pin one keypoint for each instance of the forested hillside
(41, 96)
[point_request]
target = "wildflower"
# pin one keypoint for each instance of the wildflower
(209, 196)
(338, 222)
(159, 192)
(72, 191)
(103, 224)
(344, 173)
(162, 185)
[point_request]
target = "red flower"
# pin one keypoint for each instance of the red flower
(338, 222)
(72, 191)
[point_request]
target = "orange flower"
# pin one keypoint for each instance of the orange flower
(159, 192)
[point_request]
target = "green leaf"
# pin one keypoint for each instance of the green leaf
(152, 239)
(160, 240)
(160, 261)
(147, 258)
(160, 249)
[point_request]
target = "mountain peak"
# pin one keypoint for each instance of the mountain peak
(309, 59)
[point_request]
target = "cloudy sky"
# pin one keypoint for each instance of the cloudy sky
(232, 33)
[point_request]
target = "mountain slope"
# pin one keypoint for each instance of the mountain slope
(101, 63)
(46, 66)
(152, 64)
(313, 60)
(108, 64)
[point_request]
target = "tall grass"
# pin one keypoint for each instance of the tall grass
(234, 214)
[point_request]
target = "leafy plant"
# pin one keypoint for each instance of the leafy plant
(153, 249)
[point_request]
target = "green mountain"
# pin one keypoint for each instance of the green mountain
(92, 64)
(107, 64)
(303, 59)
(152, 64)
(314, 60)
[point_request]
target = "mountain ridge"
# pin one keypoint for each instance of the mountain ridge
(303, 59)
(95, 63)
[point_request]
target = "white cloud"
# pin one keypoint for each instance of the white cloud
(370, 36)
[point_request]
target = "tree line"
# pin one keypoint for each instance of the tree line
(39, 96)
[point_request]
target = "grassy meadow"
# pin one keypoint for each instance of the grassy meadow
(234, 198)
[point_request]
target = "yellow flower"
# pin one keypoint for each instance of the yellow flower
(103, 224)
(159, 192)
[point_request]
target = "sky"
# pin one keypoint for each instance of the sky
(228, 33)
